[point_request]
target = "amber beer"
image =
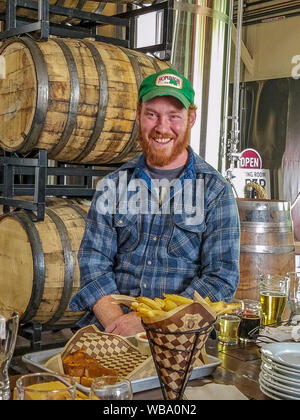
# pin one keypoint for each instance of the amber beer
(274, 292)
(249, 323)
(228, 329)
(251, 316)
(273, 304)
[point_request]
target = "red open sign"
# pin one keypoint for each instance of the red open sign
(250, 159)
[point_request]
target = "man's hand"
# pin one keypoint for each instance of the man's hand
(106, 311)
(125, 325)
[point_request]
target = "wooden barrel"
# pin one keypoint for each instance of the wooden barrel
(74, 98)
(267, 243)
(39, 271)
(90, 6)
(54, 201)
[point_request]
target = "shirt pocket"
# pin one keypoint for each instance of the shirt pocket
(128, 232)
(186, 239)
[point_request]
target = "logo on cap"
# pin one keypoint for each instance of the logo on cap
(169, 80)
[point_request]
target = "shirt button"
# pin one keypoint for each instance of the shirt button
(120, 222)
(149, 262)
(155, 238)
(145, 286)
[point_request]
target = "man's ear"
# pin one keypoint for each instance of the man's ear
(192, 117)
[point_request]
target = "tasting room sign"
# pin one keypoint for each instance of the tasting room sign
(250, 170)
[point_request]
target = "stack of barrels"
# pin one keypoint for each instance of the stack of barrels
(77, 100)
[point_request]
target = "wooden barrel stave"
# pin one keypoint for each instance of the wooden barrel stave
(82, 103)
(15, 244)
(16, 96)
(44, 255)
(267, 243)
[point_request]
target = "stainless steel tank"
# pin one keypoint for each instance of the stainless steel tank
(201, 51)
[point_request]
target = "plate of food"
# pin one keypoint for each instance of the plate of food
(91, 352)
(171, 330)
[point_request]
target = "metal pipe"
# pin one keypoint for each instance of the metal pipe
(235, 131)
(224, 130)
(199, 51)
(237, 73)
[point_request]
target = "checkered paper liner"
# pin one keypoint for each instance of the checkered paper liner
(176, 342)
(112, 351)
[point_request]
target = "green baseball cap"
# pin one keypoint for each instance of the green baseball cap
(167, 82)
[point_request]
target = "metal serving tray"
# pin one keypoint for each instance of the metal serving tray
(35, 363)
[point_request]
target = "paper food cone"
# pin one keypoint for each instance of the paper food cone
(176, 342)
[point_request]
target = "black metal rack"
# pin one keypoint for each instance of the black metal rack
(39, 169)
(89, 22)
(33, 332)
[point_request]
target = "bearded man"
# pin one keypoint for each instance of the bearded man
(173, 226)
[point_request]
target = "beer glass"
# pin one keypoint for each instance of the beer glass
(111, 388)
(45, 386)
(228, 329)
(228, 324)
(274, 293)
(251, 318)
(294, 296)
(9, 323)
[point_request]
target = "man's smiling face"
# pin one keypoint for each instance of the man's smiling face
(164, 130)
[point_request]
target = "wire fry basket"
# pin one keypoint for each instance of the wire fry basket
(174, 354)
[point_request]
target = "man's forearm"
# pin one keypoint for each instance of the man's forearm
(106, 311)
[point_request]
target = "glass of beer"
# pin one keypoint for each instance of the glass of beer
(45, 386)
(294, 296)
(228, 329)
(228, 325)
(251, 318)
(274, 293)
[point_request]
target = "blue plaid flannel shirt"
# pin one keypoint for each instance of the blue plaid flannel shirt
(151, 254)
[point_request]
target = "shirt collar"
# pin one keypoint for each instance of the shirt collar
(195, 165)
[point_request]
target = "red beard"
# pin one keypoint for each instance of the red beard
(160, 158)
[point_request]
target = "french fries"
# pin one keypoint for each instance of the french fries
(178, 299)
(169, 305)
(152, 303)
(151, 308)
(222, 307)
